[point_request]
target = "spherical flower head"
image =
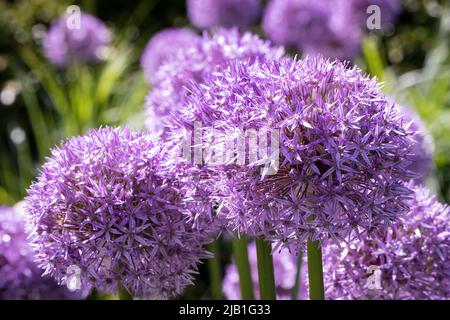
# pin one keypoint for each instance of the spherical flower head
(206, 14)
(162, 46)
(388, 9)
(285, 266)
(107, 204)
(343, 149)
(20, 278)
(314, 27)
(68, 41)
(192, 65)
(412, 260)
(422, 160)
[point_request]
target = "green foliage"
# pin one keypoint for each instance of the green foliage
(67, 102)
(427, 90)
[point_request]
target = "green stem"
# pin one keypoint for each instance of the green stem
(94, 295)
(122, 293)
(315, 272)
(265, 269)
(215, 272)
(240, 252)
(372, 56)
(294, 293)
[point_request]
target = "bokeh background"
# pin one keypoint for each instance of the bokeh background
(41, 104)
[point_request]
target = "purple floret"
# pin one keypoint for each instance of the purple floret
(413, 257)
(344, 149)
(20, 278)
(111, 204)
(192, 65)
(163, 46)
(207, 14)
(63, 45)
(422, 160)
(314, 27)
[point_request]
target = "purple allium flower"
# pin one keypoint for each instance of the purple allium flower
(324, 27)
(20, 278)
(344, 149)
(164, 45)
(109, 204)
(285, 271)
(65, 43)
(207, 14)
(413, 257)
(422, 161)
(174, 78)
(389, 10)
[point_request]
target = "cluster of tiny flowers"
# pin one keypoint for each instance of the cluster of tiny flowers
(327, 27)
(344, 149)
(192, 65)
(20, 278)
(81, 41)
(207, 14)
(164, 45)
(107, 203)
(422, 152)
(196, 186)
(413, 258)
(285, 267)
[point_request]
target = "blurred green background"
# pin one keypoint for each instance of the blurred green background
(40, 104)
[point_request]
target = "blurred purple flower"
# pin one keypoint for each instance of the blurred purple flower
(207, 14)
(422, 161)
(285, 271)
(344, 149)
(413, 257)
(192, 65)
(65, 44)
(162, 46)
(107, 203)
(325, 27)
(20, 278)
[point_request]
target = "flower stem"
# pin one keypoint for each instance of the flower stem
(123, 294)
(372, 57)
(265, 269)
(214, 271)
(240, 252)
(298, 280)
(315, 272)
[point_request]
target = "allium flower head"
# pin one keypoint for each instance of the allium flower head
(422, 160)
(344, 149)
(223, 13)
(20, 278)
(194, 64)
(285, 271)
(162, 46)
(67, 42)
(314, 27)
(107, 203)
(413, 257)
